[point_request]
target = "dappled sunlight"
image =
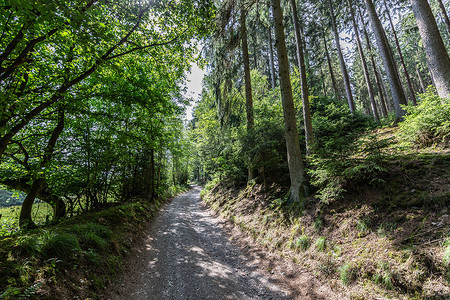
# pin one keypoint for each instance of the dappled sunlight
(187, 256)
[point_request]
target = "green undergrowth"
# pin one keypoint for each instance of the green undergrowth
(75, 258)
(387, 239)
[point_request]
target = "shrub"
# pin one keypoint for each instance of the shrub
(427, 123)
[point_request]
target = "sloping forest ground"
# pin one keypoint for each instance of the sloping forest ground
(76, 258)
(386, 235)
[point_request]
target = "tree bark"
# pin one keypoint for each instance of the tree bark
(303, 80)
(378, 79)
(25, 218)
(364, 64)
(348, 88)
(388, 60)
(400, 54)
(444, 15)
(330, 67)
(419, 76)
(272, 63)
(248, 85)
(295, 162)
(437, 56)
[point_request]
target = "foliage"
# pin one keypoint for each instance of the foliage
(339, 155)
(347, 273)
(302, 242)
(428, 123)
(223, 146)
(321, 244)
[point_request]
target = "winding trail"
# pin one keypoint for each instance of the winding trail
(187, 256)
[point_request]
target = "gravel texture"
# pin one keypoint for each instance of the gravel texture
(186, 255)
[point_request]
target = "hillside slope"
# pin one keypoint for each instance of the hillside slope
(385, 238)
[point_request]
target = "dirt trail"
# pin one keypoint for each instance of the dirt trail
(187, 255)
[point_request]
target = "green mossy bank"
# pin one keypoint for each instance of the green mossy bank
(380, 240)
(75, 259)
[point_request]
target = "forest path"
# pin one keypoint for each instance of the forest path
(187, 255)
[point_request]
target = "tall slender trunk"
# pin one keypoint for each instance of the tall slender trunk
(303, 81)
(388, 60)
(380, 85)
(419, 76)
(330, 67)
(295, 162)
(444, 15)
(348, 88)
(364, 64)
(400, 54)
(437, 56)
(272, 63)
(380, 89)
(248, 85)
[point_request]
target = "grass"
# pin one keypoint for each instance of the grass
(347, 273)
(88, 246)
(321, 244)
(302, 242)
(386, 237)
(42, 213)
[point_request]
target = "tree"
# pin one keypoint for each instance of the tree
(348, 87)
(400, 54)
(295, 162)
(248, 82)
(364, 63)
(388, 60)
(444, 15)
(437, 56)
(304, 84)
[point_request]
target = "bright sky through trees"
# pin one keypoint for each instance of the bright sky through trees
(194, 87)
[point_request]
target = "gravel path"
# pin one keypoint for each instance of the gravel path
(187, 256)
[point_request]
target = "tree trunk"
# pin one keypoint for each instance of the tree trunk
(402, 61)
(444, 15)
(272, 63)
(248, 85)
(378, 79)
(295, 162)
(348, 88)
(304, 85)
(330, 67)
(25, 218)
(437, 56)
(388, 60)
(380, 89)
(419, 76)
(364, 64)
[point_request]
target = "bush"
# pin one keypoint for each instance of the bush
(428, 123)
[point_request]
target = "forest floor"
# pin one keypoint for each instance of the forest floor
(192, 253)
(389, 239)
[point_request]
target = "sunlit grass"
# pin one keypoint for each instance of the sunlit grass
(9, 221)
